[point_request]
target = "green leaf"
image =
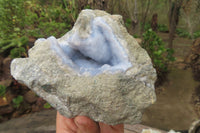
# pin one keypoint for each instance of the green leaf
(2, 90)
(23, 41)
(17, 52)
(47, 106)
(17, 101)
(17, 29)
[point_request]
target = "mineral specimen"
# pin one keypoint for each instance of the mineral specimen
(97, 69)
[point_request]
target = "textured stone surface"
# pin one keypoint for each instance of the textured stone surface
(30, 97)
(97, 70)
(40, 122)
(195, 127)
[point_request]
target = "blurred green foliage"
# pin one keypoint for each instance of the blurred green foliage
(162, 28)
(12, 18)
(147, 26)
(2, 90)
(155, 47)
(183, 33)
(17, 101)
(186, 34)
(22, 19)
(179, 31)
(15, 46)
(128, 23)
(47, 106)
(136, 36)
(196, 34)
(12, 21)
(44, 20)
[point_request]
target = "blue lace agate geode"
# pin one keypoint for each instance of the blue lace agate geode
(97, 69)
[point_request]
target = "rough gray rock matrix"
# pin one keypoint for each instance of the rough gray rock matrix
(112, 97)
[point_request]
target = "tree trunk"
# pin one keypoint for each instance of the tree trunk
(132, 14)
(135, 20)
(144, 17)
(187, 10)
(154, 22)
(173, 19)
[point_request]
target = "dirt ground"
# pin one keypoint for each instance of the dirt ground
(174, 108)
